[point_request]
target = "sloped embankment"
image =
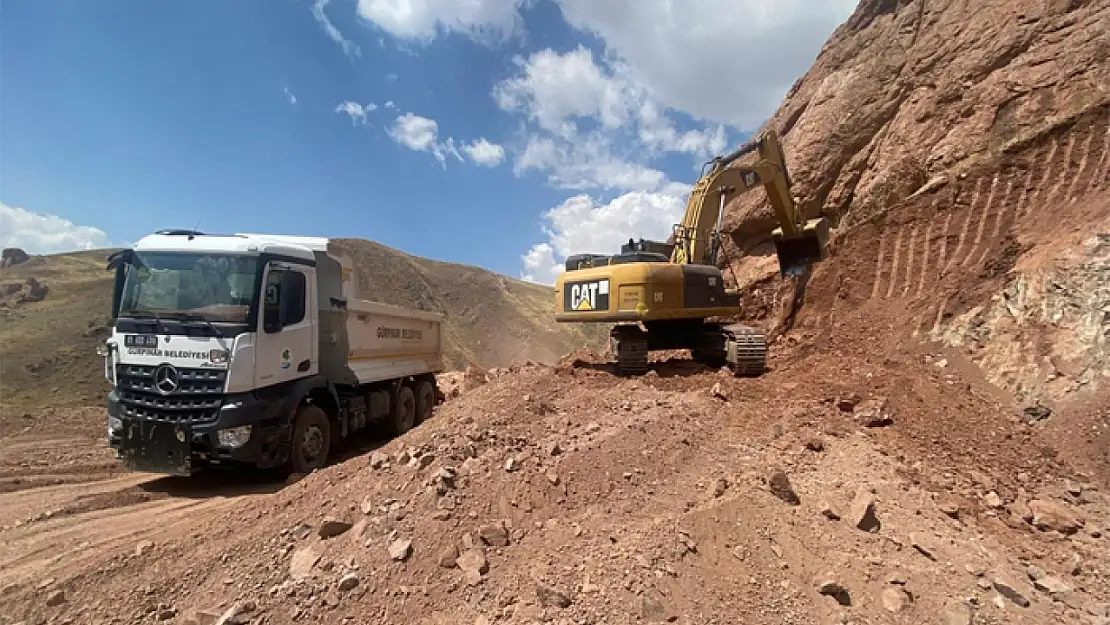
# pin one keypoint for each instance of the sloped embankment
(962, 152)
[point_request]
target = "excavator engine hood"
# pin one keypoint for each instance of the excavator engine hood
(797, 252)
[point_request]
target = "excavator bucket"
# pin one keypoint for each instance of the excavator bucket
(797, 252)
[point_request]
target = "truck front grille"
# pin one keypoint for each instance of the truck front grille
(195, 398)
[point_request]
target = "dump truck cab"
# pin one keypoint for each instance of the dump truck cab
(219, 342)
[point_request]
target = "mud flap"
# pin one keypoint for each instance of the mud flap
(157, 448)
(796, 253)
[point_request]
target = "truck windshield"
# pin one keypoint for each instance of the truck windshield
(211, 287)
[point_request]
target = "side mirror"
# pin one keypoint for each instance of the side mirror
(118, 262)
(122, 257)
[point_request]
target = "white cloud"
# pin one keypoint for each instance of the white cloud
(560, 94)
(420, 134)
(729, 61)
(485, 153)
(423, 20)
(585, 163)
(539, 265)
(594, 128)
(289, 96)
(657, 131)
(349, 48)
(554, 88)
(357, 112)
(39, 233)
(582, 225)
(414, 132)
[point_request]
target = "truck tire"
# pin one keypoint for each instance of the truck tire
(403, 416)
(425, 400)
(311, 442)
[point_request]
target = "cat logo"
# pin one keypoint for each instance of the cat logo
(586, 296)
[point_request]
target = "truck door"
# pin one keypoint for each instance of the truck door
(287, 343)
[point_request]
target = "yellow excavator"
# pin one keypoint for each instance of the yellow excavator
(661, 295)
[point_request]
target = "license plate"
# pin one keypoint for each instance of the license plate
(140, 340)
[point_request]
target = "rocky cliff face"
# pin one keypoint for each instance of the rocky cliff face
(960, 150)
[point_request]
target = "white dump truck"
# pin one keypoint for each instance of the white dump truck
(253, 349)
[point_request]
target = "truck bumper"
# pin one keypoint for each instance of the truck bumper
(255, 433)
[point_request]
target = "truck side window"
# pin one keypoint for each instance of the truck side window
(275, 299)
(294, 301)
(271, 304)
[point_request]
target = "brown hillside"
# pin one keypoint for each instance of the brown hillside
(492, 320)
(962, 152)
(49, 356)
(48, 348)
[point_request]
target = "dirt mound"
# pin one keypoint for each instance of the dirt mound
(569, 494)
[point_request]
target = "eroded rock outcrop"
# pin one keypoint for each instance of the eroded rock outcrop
(962, 153)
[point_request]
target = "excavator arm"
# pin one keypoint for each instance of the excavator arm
(798, 242)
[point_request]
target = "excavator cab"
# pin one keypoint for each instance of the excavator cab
(797, 252)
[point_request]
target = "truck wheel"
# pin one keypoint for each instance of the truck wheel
(403, 416)
(425, 400)
(311, 440)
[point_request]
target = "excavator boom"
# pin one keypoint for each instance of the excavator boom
(798, 242)
(663, 296)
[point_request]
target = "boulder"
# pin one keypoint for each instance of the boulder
(12, 256)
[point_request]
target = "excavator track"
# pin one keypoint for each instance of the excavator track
(746, 350)
(630, 344)
(743, 349)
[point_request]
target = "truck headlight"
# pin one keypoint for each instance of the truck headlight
(109, 362)
(114, 424)
(219, 356)
(235, 437)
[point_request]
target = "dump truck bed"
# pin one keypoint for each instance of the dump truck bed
(391, 341)
(363, 341)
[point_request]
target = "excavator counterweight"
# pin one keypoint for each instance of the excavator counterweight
(661, 295)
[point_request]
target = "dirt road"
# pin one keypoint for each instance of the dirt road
(67, 508)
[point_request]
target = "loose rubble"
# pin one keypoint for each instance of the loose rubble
(876, 453)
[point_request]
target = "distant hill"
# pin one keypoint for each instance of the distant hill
(48, 354)
(492, 320)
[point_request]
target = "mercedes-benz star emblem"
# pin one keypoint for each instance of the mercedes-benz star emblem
(165, 379)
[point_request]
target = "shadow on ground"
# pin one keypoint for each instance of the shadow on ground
(670, 368)
(242, 481)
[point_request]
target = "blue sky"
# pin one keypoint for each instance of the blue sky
(500, 133)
